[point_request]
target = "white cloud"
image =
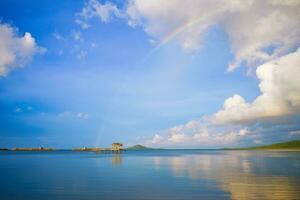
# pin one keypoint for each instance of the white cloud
(77, 36)
(64, 114)
(78, 115)
(274, 114)
(82, 115)
(203, 135)
(257, 141)
(93, 8)
(82, 23)
(57, 36)
(93, 45)
(18, 110)
(294, 132)
(156, 139)
(258, 30)
(81, 54)
(176, 135)
(15, 51)
(280, 93)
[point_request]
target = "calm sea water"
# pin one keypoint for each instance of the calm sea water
(166, 174)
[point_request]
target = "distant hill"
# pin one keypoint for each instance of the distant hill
(295, 144)
(138, 147)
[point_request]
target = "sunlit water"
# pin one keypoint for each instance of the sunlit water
(176, 174)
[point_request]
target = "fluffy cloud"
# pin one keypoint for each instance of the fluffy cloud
(262, 34)
(280, 93)
(273, 115)
(93, 8)
(258, 30)
(15, 51)
(202, 133)
(255, 28)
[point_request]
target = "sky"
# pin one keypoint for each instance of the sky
(172, 74)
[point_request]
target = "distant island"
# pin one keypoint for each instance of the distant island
(138, 147)
(290, 145)
(28, 149)
(118, 147)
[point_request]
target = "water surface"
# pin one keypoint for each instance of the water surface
(155, 175)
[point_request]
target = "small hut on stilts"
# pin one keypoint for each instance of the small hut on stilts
(116, 147)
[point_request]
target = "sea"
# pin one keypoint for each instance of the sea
(150, 175)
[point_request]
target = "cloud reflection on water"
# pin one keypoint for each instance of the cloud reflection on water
(245, 175)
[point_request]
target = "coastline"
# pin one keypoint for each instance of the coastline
(290, 146)
(249, 149)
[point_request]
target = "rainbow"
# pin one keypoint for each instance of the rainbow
(180, 29)
(175, 33)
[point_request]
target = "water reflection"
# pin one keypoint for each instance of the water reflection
(155, 175)
(116, 159)
(245, 175)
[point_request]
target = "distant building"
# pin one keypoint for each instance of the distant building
(116, 146)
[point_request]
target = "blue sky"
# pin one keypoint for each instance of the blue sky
(89, 73)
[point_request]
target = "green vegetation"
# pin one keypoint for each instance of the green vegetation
(295, 144)
(138, 147)
(4, 149)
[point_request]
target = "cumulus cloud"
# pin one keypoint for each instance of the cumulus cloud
(201, 133)
(258, 30)
(280, 93)
(205, 134)
(93, 8)
(262, 34)
(273, 115)
(15, 51)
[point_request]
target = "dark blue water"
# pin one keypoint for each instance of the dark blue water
(176, 174)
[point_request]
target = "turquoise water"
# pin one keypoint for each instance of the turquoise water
(161, 174)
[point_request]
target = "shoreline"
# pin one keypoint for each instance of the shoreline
(111, 150)
(291, 146)
(260, 149)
